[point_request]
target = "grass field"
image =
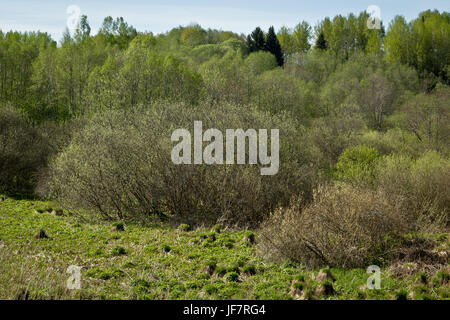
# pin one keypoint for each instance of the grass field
(156, 261)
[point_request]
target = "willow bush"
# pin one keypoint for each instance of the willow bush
(120, 165)
(343, 226)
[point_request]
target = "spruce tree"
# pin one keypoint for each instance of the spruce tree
(273, 46)
(250, 44)
(321, 43)
(256, 41)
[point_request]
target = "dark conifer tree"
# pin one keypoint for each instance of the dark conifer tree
(273, 46)
(256, 40)
(321, 43)
(250, 44)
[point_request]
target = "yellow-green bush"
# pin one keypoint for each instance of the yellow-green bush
(357, 165)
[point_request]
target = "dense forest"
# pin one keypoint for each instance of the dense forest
(364, 119)
(120, 67)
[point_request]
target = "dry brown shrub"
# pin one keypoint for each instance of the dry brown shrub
(343, 226)
(421, 186)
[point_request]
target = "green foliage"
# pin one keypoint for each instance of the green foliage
(231, 276)
(211, 263)
(295, 40)
(300, 277)
(118, 251)
(422, 277)
(344, 36)
(117, 32)
(150, 274)
(184, 227)
(259, 41)
(141, 285)
(426, 116)
(193, 36)
(88, 122)
(392, 141)
(102, 274)
(441, 277)
(277, 92)
(401, 295)
(260, 62)
(357, 165)
(119, 226)
(422, 43)
(249, 269)
(18, 53)
(119, 67)
(249, 234)
(166, 248)
(24, 151)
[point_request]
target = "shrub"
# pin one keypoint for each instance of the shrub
(391, 141)
(260, 62)
(120, 165)
(356, 165)
(277, 92)
(343, 226)
(24, 152)
(329, 137)
(421, 186)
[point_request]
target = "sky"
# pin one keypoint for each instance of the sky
(240, 16)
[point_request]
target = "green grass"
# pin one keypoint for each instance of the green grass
(155, 261)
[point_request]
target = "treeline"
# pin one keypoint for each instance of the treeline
(119, 66)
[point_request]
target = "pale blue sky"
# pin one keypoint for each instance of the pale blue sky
(162, 15)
